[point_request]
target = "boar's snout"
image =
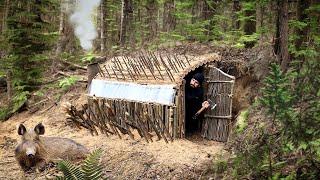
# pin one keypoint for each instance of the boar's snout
(30, 148)
(30, 155)
(31, 152)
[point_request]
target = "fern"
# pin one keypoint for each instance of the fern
(70, 171)
(67, 82)
(90, 168)
(89, 57)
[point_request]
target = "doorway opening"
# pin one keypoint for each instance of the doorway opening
(194, 96)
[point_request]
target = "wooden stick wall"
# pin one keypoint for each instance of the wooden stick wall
(119, 117)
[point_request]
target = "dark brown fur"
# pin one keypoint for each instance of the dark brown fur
(36, 151)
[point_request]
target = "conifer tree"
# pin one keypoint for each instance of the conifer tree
(27, 37)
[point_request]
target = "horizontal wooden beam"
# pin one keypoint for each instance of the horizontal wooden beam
(211, 81)
(220, 117)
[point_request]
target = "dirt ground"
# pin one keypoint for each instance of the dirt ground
(136, 159)
(123, 158)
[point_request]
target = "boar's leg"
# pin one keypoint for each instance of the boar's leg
(24, 166)
(41, 165)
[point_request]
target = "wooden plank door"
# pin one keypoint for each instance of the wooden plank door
(219, 90)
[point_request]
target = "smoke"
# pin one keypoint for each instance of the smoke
(82, 19)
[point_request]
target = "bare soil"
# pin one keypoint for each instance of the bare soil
(123, 158)
(136, 159)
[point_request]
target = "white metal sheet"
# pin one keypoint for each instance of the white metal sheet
(161, 94)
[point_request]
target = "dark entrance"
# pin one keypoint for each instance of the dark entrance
(213, 124)
(193, 104)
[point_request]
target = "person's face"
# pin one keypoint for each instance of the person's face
(194, 83)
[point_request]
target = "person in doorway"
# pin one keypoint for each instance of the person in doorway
(194, 102)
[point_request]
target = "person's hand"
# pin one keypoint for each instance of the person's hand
(206, 104)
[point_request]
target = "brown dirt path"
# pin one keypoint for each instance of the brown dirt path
(123, 159)
(136, 159)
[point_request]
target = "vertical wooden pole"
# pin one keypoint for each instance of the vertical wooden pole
(183, 109)
(170, 114)
(175, 116)
(92, 71)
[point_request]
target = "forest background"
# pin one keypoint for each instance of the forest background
(36, 35)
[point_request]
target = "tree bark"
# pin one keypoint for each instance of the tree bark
(9, 85)
(121, 36)
(102, 26)
(169, 21)
(208, 10)
(67, 39)
(152, 18)
(61, 27)
(281, 43)
(235, 9)
(5, 15)
(261, 10)
(126, 18)
(97, 41)
(197, 11)
(302, 17)
(250, 26)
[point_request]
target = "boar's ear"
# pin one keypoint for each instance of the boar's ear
(39, 129)
(22, 129)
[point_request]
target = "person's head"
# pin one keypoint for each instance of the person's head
(196, 80)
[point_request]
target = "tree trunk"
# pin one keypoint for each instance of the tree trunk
(281, 43)
(302, 17)
(61, 27)
(102, 26)
(130, 28)
(126, 18)
(121, 36)
(152, 18)
(208, 10)
(197, 11)
(261, 10)
(139, 19)
(235, 9)
(9, 85)
(5, 16)
(97, 41)
(67, 39)
(250, 25)
(169, 21)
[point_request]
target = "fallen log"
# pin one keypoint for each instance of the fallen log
(80, 79)
(72, 64)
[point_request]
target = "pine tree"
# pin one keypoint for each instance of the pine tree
(27, 37)
(276, 96)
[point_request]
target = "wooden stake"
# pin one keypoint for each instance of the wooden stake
(156, 64)
(119, 68)
(151, 71)
(137, 73)
(129, 71)
(172, 64)
(178, 60)
(114, 73)
(167, 69)
(107, 71)
(187, 59)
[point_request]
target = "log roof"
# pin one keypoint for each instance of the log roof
(152, 67)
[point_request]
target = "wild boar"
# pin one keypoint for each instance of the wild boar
(36, 151)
